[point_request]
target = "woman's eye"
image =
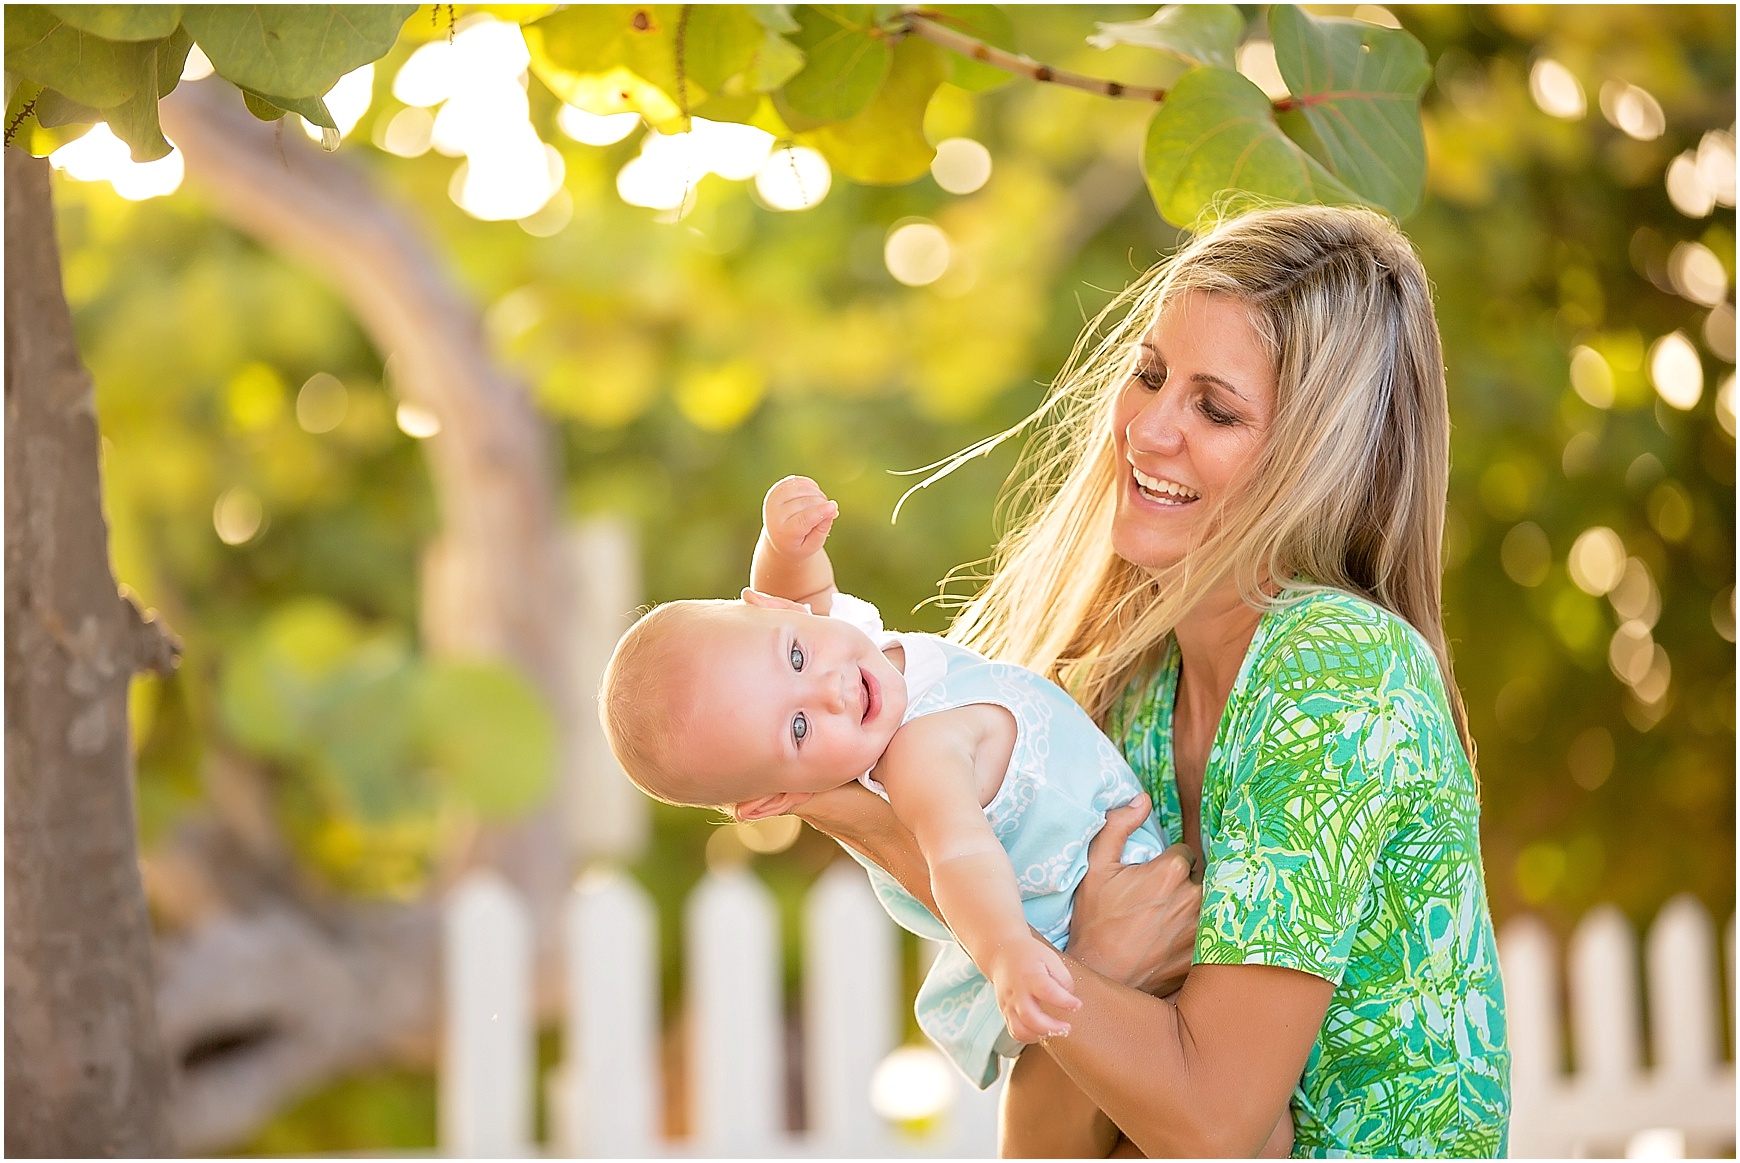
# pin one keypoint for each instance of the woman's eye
(800, 727)
(1217, 415)
(797, 657)
(1153, 378)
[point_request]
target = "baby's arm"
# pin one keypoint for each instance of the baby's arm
(928, 771)
(789, 559)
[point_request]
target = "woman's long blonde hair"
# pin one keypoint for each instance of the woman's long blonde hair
(1348, 491)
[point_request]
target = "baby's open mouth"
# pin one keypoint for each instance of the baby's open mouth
(871, 702)
(1162, 491)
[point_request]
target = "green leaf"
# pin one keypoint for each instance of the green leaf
(885, 143)
(120, 21)
(985, 22)
(776, 18)
(777, 61)
(846, 56)
(1358, 86)
(487, 734)
(313, 108)
(88, 69)
(294, 50)
(1217, 132)
(262, 108)
(1197, 34)
(134, 120)
(607, 58)
(54, 109)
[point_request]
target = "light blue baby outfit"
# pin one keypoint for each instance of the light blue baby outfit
(1063, 776)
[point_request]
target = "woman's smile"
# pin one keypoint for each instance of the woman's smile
(1161, 491)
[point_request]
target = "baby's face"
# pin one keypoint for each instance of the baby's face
(788, 701)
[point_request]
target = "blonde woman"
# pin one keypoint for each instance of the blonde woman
(1227, 549)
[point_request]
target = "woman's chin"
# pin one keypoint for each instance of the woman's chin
(1146, 548)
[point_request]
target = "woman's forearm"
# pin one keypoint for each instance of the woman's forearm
(1209, 1075)
(857, 817)
(1045, 1115)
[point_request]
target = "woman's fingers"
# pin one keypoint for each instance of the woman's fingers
(1121, 823)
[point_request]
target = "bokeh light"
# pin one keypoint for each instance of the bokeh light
(1725, 404)
(917, 253)
(99, 156)
(912, 1083)
(794, 178)
(1636, 598)
(961, 165)
(237, 516)
(408, 133)
(198, 66)
(1591, 378)
(1256, 60)
(1697, 274)
(1632, 110)
(1597, 560)
(417, 422)
(1556, 91)
(1526, 554)
(595, 129)
(1676, 371)
(322, 403)
(772, 835)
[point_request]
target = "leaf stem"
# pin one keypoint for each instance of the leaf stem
(931, 25)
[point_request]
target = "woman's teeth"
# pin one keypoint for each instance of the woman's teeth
(1164, 491)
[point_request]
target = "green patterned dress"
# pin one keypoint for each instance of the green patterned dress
(1340, 829)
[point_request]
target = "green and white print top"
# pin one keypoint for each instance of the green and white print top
(1340, 829)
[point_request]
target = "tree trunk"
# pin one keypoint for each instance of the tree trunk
(85, 1068)
(271, 990)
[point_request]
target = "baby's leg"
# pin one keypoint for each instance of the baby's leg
(1280, 1144)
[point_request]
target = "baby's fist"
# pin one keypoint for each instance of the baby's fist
(796, 517)
(1028, 978)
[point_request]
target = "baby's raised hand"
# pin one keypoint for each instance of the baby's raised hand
(797, 516)
(1025, 975)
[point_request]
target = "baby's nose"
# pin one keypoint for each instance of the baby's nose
(835, 692)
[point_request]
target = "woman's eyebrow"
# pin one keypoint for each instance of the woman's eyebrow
(1199, 377)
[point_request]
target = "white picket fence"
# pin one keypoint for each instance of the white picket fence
(607, 1097)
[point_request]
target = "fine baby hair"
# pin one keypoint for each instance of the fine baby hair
(641, 701)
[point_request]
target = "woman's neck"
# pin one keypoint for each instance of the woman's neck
(1212, 641)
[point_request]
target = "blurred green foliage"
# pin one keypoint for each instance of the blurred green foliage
(686, 365)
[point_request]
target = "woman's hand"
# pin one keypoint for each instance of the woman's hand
(1135, 923)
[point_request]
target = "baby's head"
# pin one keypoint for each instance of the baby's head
(755, 703)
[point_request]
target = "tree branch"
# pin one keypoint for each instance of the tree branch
(931, 25)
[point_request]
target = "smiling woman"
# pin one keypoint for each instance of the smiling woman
(1230, 556)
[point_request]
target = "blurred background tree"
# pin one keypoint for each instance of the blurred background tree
(697, 323)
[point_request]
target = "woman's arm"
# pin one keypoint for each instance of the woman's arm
(859, 818)
(1208, 1075)
(1135, 924)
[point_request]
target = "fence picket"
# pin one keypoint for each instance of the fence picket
(607, 1100)
(851, 989)
(487, 1053)
(606, 1096)
(735, 1016)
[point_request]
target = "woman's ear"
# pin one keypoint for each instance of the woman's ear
(761, 807)
(753, 597)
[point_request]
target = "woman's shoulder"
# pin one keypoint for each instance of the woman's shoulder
(1329, 638)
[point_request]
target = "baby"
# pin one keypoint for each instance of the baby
(1002, 779)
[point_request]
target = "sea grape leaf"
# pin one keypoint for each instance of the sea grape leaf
(293, 50)
(120, 21)
(985, 22)
(1216, 132)
(134, 120)
(777, 60)
(884, 144)
(1358, 86)
(776, 18)
(312, 108)
(1196, 34)
(54, 109)
(846, 57)
(86, 68)
(586, 41)
(487, 735)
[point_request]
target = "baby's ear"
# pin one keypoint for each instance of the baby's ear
(761, 807)
(754, 597)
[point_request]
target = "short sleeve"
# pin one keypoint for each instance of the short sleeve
(1305, 817)
(857, 612)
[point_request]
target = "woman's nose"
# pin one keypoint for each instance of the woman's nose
(1155, 428)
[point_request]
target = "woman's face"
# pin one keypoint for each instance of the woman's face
(1187, 425)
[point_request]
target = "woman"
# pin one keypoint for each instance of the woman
(1230, 556)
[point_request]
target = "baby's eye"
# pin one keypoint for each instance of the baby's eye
(800, 726)
(797, 657)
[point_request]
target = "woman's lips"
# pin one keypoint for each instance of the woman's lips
(1156, 499)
